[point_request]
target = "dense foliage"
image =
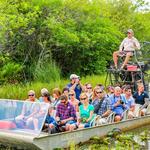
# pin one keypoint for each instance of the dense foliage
(41, 38)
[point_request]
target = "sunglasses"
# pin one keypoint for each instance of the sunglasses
(71, 94)
(89, 87)
(129, 91)
(63, 101)
(83, 98)
(98, 92)
(31, 95)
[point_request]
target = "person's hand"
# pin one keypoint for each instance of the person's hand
(57, 119)
(77, 81)
(63, 121)
(51, 126)
(25, 118)
(117, 103)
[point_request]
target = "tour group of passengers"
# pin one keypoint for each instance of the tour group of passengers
(77, 105)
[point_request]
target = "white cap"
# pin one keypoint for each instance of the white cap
(130, 31)
(72, 76)
(44, 90)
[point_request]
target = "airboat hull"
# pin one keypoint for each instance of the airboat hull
(63, 140)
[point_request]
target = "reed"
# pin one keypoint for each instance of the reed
(19, 91)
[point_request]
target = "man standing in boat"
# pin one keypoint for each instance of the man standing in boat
(75, 85)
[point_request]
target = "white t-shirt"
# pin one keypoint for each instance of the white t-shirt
(129, 44)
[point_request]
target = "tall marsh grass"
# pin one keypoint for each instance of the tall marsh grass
(19, 91)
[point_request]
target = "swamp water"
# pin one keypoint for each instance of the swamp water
(137, 139)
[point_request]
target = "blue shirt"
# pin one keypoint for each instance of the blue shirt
(77, 90)
(49, 119)
(101, 109)
(139, 99)
(129, 102)
(117, 109)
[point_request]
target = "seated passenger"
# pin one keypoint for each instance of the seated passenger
(118, 104)
(103, 107)
(65, 91)
(49, 120)
(110, 90)
(89, 91)
(86, 112)
(37, 118)
(129, 101)
(42, 91)
(140, 97)
(56, 94)
(65, 116)
(73, 100)
(28, 110)
(128, 45)
(95, 96)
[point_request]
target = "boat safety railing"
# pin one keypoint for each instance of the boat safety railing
(148, 110)
(111, 117)
(98, 120)
(125, 115)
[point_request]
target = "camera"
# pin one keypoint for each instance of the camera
(121, 102)
(58, 122)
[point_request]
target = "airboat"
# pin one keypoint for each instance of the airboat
(17, 135)
(137, 70)
(23, 135)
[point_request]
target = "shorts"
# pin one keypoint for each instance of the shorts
(124, 53)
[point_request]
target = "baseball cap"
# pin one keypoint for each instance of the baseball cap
(73, 76)
(130, 31)
(31, 92)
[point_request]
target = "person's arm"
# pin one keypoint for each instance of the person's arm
(77, 106)
(96, 106)
(91, 108)
(65, 120)
(132, 107)
(117, 103)
(72, 115)
(73, 86)
(91, 114)
(109, 107)
(82, 87)
(36, 110)
(136, 44)
(121, 46)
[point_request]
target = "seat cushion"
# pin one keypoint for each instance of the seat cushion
(7, 125)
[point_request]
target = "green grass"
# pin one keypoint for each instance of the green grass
(19, 91)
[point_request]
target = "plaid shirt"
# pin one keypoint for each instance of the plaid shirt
(106, 105)
(65, 111)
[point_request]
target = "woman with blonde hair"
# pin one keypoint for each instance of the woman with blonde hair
(86, 112)
(73, 100)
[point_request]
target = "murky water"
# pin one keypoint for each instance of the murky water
(137, 139)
